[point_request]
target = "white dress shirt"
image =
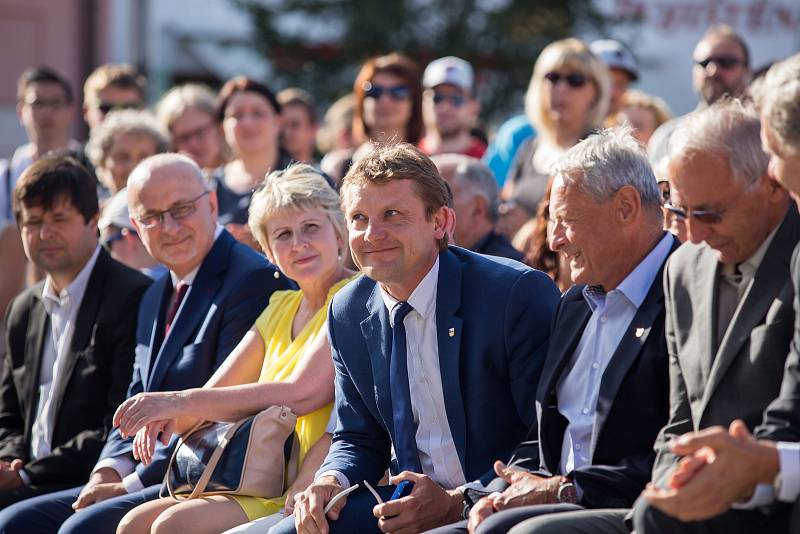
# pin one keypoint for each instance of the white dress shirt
(124, 464)
(579, 386)
(437, 451)
(62, 310)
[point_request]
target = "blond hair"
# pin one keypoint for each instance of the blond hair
(639, 99)
(574, 55)
(298, 187)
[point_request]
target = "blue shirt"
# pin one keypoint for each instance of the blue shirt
(579, 387)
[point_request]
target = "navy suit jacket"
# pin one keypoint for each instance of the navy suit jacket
(493, 321)
(232, 288)
(632, 405)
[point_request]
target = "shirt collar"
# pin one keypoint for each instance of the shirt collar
(637, 284)
(74, 291)
(749, 267)
(189, 278)
(423, 298)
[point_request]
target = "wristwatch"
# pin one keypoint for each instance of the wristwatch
(469, 502)
(567, 493)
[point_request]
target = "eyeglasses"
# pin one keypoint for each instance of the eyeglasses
(397, 92)
(42, 103)
(455, 100)
(178, 211)
(706, 216)
(573, 79)
(106, 107)
(723, 62)
(197, 133)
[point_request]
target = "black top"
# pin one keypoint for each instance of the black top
(494, 244)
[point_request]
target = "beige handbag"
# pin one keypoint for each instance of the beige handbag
(256, 456)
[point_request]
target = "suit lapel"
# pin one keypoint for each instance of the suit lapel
(448, 334)
(574, 316)
(85, 328)
(769, 279)
(630, 346)
(378, 338)
(195, 307)
(38, 323)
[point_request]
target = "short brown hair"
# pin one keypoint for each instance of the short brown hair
(119, 75)
(294, 96)
(53, 179)
(405, 69)
(402, 161)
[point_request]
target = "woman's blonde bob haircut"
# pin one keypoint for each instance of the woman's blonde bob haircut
(299, 187)
(572, 55)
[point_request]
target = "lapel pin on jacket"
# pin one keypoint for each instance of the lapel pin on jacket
(639, 332)
(452, 332)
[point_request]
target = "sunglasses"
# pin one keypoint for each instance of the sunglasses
(108, 240)
(455, 100)
(396, 92)
(704, 216)
(573, 79)
(106, 107)
(723, 62)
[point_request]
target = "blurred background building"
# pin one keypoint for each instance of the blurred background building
(212, 40)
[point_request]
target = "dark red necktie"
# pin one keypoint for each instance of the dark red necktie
(180, 292)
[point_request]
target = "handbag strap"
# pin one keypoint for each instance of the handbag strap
(202, 482)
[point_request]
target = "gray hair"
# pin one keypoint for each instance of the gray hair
(181, 98)
(475, 175)
(780, 102)
(728, 129)
(129, 121)
(606, 161)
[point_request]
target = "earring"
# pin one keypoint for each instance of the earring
(276, 274)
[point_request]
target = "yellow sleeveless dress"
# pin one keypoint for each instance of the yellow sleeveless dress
(281, 355)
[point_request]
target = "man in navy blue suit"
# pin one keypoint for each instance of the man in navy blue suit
(189, 321)
(437, 352)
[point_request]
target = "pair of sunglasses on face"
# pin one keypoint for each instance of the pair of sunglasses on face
(573, 79)
(106, 107)
(395, 92)
(455, 100)
(723, 62)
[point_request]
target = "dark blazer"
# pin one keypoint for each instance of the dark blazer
(713, 387)
(97, 370)
(232, 288)
(632, 406)
(492, 317)
(494, 244)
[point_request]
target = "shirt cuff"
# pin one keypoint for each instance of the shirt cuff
(132, 483)
(789, 458)
(24, 476)
(343, 481)
(762, 496)
(122, 464)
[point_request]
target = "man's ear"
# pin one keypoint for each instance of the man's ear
(627, 204)
(444, 222)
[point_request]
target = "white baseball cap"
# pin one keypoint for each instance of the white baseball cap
(616, 56)
(451, 70)
(116, 212)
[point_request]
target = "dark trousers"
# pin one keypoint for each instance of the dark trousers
(502, 522)
(355, 518)
(649, 520)
(47, 514)
(9, 497)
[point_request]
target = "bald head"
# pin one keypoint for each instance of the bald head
(174, 211)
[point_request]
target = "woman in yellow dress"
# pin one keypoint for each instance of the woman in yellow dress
(283, 360)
